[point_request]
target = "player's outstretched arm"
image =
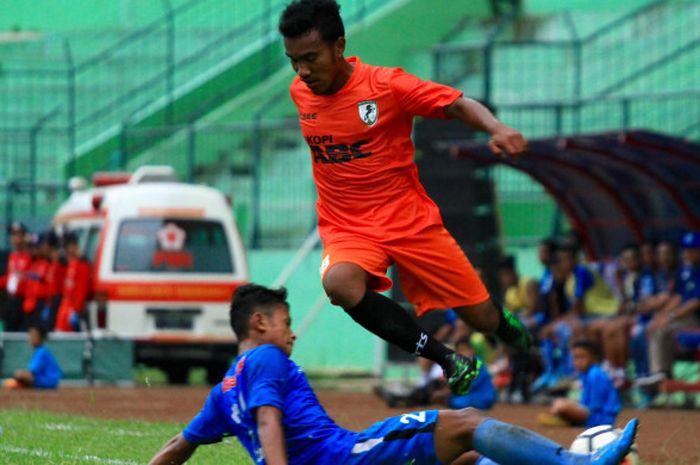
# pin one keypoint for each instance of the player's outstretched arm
(174, 452)
(504, 139)
(271, 435)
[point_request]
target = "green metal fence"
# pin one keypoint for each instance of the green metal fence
(654, 48)
(68, 94)
(563, 75)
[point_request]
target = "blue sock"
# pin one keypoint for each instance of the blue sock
(548, 356)
(563, 332)
(639, 349)
(508, 444)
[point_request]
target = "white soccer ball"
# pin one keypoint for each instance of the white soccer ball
(594, 438)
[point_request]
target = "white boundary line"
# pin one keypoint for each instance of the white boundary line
(59, 455)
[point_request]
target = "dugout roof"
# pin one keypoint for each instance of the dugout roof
(614, 187)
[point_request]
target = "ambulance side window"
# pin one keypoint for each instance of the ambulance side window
(91, 242)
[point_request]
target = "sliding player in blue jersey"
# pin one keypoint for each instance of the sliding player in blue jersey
(266, 401)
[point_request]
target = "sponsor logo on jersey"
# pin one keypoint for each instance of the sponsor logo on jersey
(369, 112)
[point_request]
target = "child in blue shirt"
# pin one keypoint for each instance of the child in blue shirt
(599, 404)
(266, 401)
(43, 371)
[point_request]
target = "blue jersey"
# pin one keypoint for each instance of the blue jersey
(689, 283)
(265, 376)
(599, 396)
(546, 282)
(44, 369)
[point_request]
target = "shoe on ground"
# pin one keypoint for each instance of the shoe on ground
(460, 372)
(547, 419)
(651, 380)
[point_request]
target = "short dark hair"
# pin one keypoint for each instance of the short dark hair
(633, 246)
(589, 346)
(41, 330)
(250, 298)
(302, 16)
(507, 263)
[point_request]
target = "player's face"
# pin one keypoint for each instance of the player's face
(630, 260)
(34, 337)
(666, 256)
(278, 329)
(582, 359)
(17, 239)
(691, 256)
(318, 64)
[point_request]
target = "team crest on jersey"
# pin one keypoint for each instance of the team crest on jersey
(368, 111)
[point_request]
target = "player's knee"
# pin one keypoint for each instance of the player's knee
(345, 285)
(482, 317)
(468, 419)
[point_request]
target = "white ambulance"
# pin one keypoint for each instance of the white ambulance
(166, 259)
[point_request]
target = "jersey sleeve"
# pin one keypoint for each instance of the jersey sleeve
(209, 426)
(37, 362)
(419, 97)
(584, 281)
(267, 375)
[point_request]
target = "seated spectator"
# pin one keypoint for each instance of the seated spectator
(35, 289)
(599, 403)
(519, 292)
(43, 371)
(654, 291)
(520, 297)
(55, 278)
(587, 298)
(613, 334)
(682, 310)
(14, 280)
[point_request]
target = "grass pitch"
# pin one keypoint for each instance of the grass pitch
(32, 437)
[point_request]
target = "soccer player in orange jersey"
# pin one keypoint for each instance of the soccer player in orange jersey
(372, 209)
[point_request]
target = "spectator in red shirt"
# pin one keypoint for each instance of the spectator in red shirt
(55, 277)
(14, 281)
(77, 287)
(35, 289)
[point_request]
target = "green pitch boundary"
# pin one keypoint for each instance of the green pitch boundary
(28, 437)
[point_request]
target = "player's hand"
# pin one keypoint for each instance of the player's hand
(506, 141)
(74, 320)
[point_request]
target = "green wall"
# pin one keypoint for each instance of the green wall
(73, 15)
(333, 342)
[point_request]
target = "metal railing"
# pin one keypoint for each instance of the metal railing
(266, 168)
(629, 54)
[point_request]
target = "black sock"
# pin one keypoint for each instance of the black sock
(388, 320)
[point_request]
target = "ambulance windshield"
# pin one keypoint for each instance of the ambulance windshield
(169, 245)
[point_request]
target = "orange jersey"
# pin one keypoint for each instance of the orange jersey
(362, 152)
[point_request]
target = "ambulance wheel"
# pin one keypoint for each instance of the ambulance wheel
(177, 374)
(215, 372)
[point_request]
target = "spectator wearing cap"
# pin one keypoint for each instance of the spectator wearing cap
(681, 311)
(55, 277)
(35, 290)
(77, 287)
(15, 280)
